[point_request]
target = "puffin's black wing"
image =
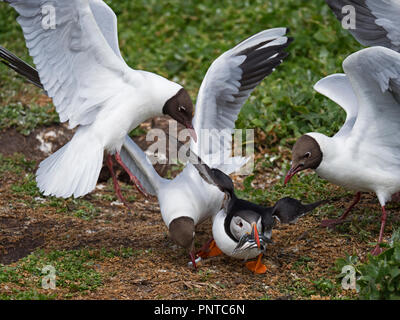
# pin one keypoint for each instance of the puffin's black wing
(288, 210)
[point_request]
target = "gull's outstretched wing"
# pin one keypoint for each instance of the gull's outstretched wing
(377, 21)
(337, 87)
(138, 163)
(375, 76)
(107, 22)
(78, 68)
(231, 79)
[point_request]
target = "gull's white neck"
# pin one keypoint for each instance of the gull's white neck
(160, 90)
(342, 165)
(333, 164)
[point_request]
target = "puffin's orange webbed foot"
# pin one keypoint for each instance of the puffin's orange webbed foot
(211, 251)
(256, 266)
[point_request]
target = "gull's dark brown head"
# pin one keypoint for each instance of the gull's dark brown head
(306, 154)
(182, 231)
(180, 108)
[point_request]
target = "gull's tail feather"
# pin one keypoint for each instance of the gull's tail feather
(20, 66)
(74, 169)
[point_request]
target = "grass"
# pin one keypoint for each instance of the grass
(26, 118)
(27, 192)
(76, 273)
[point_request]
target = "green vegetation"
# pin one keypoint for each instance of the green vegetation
(76, 273)
(26, 189)
(17, 164)
(26, 118)
(379, 277)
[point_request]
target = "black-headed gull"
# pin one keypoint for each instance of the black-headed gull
(364, 155)
(31, 74)
(243, 229)
(187, 200)
(82, 70)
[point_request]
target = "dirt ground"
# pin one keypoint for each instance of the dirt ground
(302, 253)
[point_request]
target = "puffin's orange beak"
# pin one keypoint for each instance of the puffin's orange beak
(256, 237)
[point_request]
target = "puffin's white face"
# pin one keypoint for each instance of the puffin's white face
(240, 227)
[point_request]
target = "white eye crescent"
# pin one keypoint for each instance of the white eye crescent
(181, 108)
(238, 222)
(307, 155)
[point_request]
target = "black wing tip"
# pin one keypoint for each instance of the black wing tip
(20, 67)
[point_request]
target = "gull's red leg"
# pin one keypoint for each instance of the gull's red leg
(378, 249)
(117, 188)
(333, 222)
(131, 175)
(396, 197)
(193, 258)
(205, 246)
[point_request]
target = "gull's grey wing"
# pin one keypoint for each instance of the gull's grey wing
(375, 77)
(107, 22)
(230, 80)
(377, 21)
(138, 163)
(338, 88)
(76, 65)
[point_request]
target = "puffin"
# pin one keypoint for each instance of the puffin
(364, 155)
(242, 229)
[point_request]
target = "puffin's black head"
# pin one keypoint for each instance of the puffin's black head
(268, 223)
(245, 227)
(180, 108)
(306, 154)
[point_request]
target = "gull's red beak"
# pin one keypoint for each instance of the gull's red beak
(192, 132)
(292, 172)
(256, 237)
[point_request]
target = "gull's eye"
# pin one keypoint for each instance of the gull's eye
(181, 108)
(307, 155)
